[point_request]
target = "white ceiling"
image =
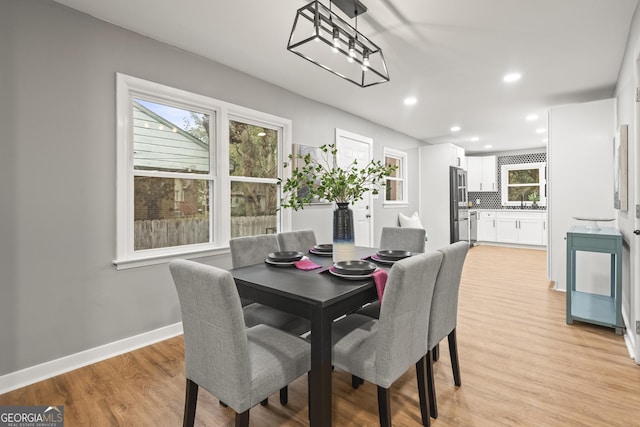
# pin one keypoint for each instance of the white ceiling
(449, 54)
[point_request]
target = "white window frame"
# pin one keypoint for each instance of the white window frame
(128, 88)
(505, 169)
(403, 169)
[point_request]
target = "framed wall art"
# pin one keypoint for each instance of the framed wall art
(620, 168)
(317, 156)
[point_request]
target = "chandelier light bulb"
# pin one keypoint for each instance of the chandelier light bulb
(365, 59)
(352, 49)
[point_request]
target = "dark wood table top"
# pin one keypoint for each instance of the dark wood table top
(315, 287)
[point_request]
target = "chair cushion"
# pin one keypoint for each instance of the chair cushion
(354, 346)
(276, 358)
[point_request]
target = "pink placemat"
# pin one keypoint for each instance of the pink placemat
(380, 279)
(306, 264)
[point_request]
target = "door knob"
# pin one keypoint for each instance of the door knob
(636, 232)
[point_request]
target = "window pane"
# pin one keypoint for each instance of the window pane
(170, 212)
(524, 176)
(516, 193)
(169, 139)
(253, 151)
(253, 208)
(393, 190)
(393, 161)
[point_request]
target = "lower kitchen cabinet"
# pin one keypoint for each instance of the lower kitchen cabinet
(511, 226)
(487, 227)
(524, 228)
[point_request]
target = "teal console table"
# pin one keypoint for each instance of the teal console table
(605, 310)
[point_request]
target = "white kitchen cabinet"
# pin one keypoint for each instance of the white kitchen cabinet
(524, 228)
(474, 173)
(489, 173)
(487, 227)
(457, 157)
(506, 228)
(482, 173)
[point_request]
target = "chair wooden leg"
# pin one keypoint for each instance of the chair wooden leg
(433, 404)
(265, 402)
(436, 353)
(190, 401)
(384, 407)
(242, 420)
(453, 352)
(356, 381)
(424, 401)
(284, 395)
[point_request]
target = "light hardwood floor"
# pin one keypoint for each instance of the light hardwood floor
(521, 366)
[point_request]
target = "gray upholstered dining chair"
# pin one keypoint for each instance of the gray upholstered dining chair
(381, 350)
(405, 239)
(444, 314)
(253, 250)
(398, 238)
(300, 240)
(239, 366)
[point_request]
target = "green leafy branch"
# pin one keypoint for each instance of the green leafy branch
(321, 179)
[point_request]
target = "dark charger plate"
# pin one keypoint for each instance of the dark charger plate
(355, 267)
(286, 256)
(393, 255)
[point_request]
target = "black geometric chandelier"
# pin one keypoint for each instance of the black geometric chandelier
(319, 35)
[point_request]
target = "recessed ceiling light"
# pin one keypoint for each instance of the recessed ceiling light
(545, 140)
(474, 139)
(410, 101)
(512, 77)
(541, 130)
(532, 117)
(488, 146)
(455, 128)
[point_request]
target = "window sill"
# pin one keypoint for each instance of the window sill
(395, 204)
(125, 264)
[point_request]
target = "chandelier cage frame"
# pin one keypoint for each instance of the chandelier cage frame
(319, 34)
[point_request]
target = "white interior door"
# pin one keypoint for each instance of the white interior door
(352, 147)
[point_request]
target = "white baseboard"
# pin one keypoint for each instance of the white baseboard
(36, 373)
(629, 336)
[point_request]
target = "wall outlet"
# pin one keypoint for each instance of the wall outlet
(477, 201)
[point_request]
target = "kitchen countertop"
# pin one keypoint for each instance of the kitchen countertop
(507, 210)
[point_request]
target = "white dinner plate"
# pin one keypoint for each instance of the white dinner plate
(284, 263)
(351, 276)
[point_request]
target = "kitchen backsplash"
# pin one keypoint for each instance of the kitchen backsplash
(492, 199)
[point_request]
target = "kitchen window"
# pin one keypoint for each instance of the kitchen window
(395, 190)
(192, 172)
(522, 183)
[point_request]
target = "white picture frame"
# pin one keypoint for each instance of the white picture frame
(620, 169)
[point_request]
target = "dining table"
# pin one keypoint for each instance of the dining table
(316, 295)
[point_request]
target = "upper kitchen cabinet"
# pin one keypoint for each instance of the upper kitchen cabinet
(482, 173)
(457, 157)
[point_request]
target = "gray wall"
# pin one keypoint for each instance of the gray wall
(627, 113)
(60, 292)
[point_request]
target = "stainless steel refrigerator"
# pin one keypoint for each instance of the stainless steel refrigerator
(458, 205)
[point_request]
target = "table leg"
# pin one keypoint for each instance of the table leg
(320, 373)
